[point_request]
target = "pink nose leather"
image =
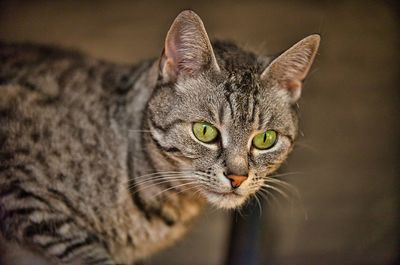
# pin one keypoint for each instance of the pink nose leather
(236, 181)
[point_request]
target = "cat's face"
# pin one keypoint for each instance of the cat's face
(230, 114)
(230, 121)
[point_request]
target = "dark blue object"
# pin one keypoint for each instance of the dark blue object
(245, 236)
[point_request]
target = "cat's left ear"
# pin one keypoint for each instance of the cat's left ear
(187, 50)
(290, 68)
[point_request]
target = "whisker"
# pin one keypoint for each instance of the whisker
(158, 180)
(287, 174)
(190, 188)
(286, 185)
(157, 177)
(298, 197)
(277, 190)
(163, 172)
(162, 177)
(239, 210)
(174, 187)
(266, 194)
(188, 174)
(158, 174)
(154, 183)
(294, 191)
(258, 203)
(198, 193)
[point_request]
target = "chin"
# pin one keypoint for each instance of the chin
(230, 200)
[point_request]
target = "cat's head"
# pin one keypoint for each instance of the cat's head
(223, 114)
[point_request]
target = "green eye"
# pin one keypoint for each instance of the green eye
(265, 140)
(205, 132)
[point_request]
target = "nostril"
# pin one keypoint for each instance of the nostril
(236, 180)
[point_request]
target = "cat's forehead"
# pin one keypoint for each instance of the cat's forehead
(243, 82)
(210, 89)
(238, 99)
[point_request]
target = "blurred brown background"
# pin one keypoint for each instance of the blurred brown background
(347, 162)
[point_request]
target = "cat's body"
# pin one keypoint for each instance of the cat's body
(81, 140)
(70, 120)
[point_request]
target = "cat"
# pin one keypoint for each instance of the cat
(106, 164)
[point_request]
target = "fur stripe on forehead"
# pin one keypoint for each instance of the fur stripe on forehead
(245, 82)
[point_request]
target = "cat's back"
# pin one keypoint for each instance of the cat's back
(41, 85)
(55, 123)
(26, 64)
(45, 77)
(30, 71)
(35, 77)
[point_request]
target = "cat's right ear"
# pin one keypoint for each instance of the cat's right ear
(187, 50)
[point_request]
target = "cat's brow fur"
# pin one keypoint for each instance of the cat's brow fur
(81, 141)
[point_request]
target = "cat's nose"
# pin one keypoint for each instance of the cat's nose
(236, 180)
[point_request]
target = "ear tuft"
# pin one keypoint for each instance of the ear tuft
(290, 68)
(187, 49)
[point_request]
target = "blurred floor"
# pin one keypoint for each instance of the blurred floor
(346, 162)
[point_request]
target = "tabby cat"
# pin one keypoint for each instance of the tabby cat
(106, 164)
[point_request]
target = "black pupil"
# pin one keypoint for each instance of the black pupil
(204, 130)
(265, 137)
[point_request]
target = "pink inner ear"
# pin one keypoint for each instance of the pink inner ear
(294, 89)
(292, 84)
(170, 68)
(168, 59)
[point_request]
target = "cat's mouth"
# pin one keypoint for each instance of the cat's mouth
(225, 199)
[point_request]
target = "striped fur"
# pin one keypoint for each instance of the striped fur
(81, 141)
